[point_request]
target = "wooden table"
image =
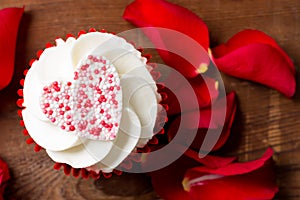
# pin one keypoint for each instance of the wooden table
(265, 117)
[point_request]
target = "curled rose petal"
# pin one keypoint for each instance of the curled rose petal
(250, 180)
(4, 176)
(253, 36)
(254, 56)
(9, 23)
(209, 160)
(204, 123)
(161, 13)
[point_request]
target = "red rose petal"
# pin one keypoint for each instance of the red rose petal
(209, 160)
(226, 127)
(205, 114)
(247, 37)
(205, 118)
(240, 181)
(262, 62)
(4, 176)
(204, 88)
(163, 14)
(9, 23)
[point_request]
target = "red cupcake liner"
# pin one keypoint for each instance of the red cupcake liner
(130, 160)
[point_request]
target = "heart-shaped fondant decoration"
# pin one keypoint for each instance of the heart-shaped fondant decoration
(90, 105)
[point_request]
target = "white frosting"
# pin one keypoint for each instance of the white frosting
(139, 101)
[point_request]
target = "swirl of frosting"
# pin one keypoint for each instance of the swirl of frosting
(136, 103)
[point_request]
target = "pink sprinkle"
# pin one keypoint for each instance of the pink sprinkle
(76, 75)
(84, 110)
(84, 67)
(87, 105)
(115, 102)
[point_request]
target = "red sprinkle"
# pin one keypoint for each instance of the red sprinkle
(72, 128)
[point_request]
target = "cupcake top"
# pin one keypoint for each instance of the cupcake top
(90, 101)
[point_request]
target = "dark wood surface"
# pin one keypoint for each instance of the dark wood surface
(265, 117)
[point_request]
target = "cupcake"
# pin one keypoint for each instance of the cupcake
(89, 102)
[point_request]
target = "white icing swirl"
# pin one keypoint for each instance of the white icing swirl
(139, 101)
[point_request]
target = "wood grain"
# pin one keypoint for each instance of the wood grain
(265, 117)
